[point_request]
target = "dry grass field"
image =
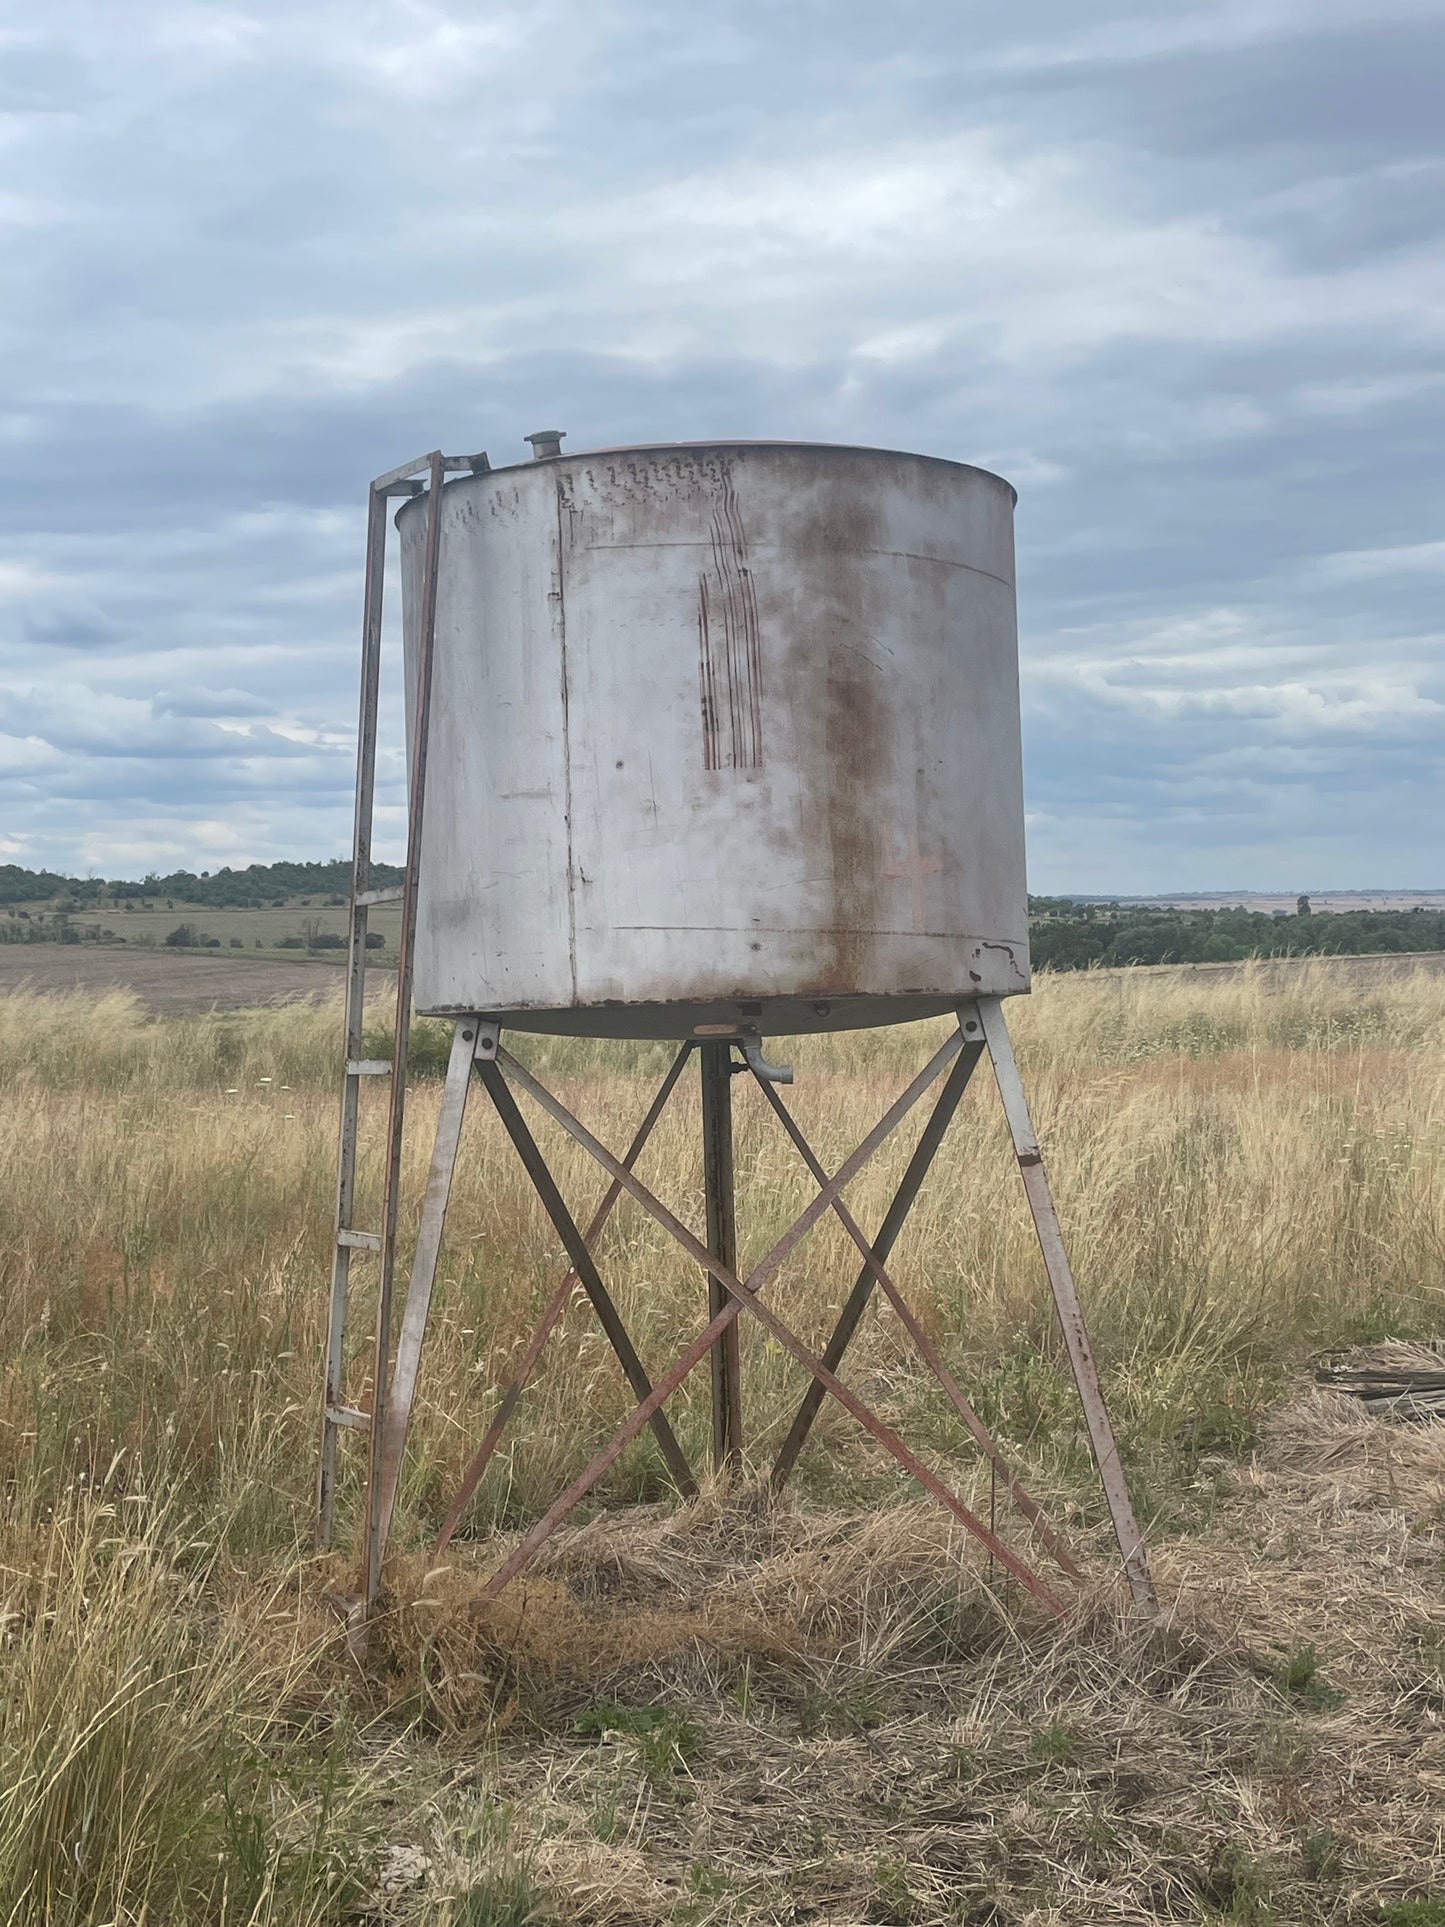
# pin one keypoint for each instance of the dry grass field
(826, 1709)
(257, 930)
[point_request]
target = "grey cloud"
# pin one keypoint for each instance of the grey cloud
(1171, 268)
(71, 718)
(71, 629)
(43, 79)
(211, 702)
(1364, 86)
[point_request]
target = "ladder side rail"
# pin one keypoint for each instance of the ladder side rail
(366, 771)
(372, 603)
(416, 804)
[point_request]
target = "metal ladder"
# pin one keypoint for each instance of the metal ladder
(426, 476)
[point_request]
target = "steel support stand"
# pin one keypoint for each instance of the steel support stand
(746, 1295)
(719, 1188)
(476, 1048)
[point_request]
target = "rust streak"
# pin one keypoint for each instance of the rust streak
(706, 679)
(729, 646)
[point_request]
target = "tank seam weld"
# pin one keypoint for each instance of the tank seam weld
(561, 620)
(943, 562)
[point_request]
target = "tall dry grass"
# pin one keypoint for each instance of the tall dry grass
(159, 1755)
(1248, 1167)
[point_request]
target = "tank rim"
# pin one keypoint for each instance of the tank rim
(725, 442)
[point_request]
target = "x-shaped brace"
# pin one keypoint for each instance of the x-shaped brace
(745, 1294)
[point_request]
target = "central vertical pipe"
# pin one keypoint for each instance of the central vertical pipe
(722, 1242)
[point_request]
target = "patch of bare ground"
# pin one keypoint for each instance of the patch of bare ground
(748, 1713)
(169, 982)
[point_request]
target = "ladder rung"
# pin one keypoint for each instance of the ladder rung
(391, 893)
(349, 1415)
(368, 1067)
(359, 1240)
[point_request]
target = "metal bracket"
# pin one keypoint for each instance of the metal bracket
(487, 1041)
(751, 1046)
(447, 464)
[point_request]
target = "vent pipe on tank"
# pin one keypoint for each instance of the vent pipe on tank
(546, 441)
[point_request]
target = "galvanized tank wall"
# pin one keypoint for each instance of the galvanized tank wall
(721, 733)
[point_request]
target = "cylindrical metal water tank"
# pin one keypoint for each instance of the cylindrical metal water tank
(721, 734)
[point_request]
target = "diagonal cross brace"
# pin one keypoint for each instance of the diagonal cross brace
(909, 1186)
(556, 1304)
(746, 1294)
(582, 1261)
(874, 1270)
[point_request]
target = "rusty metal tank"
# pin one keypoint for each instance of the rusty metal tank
(723, 736)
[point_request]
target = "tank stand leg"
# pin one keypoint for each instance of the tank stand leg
(986, 1015)
(391, 1405)
(717, 1164)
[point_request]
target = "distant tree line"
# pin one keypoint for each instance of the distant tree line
(1065, 934)
(225, 889)
(38, 926)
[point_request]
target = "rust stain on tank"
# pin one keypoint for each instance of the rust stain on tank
(849, 732)
(729, 646)
(854, 727)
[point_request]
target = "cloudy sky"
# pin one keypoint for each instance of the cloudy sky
(1173, 267)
